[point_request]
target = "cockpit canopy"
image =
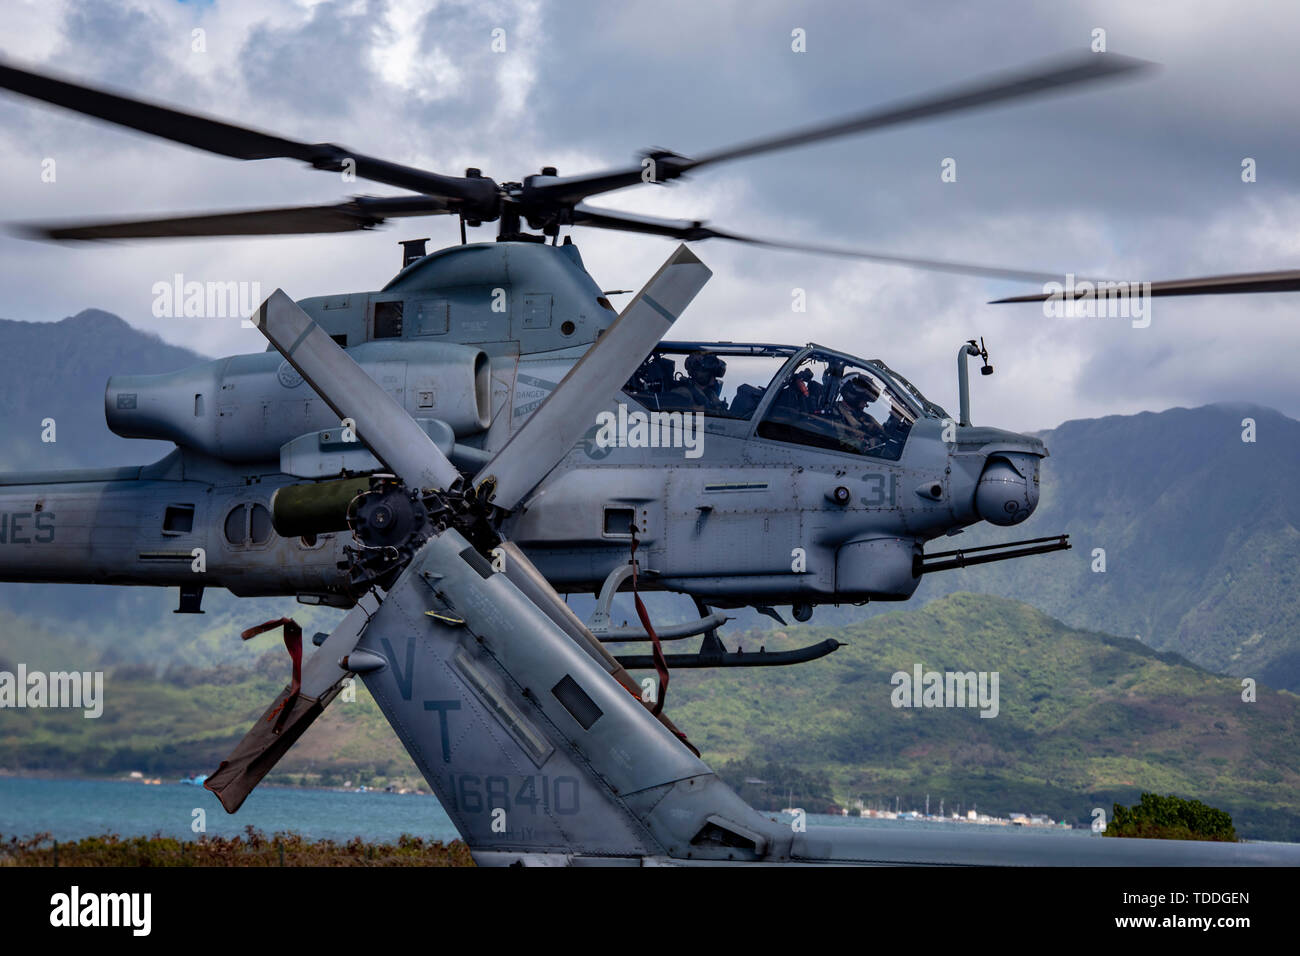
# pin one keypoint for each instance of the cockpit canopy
(719, 382)
(803, 396)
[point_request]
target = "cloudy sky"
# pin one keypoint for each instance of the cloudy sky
(1136, 180)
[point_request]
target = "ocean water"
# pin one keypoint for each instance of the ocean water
(70, 809)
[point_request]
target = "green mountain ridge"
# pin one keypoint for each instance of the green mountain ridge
(1201, 534)
(1084, 720)
(64, 368)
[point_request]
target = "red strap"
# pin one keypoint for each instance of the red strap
(293, 643)
(661, 665)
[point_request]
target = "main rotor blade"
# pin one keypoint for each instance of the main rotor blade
(695, 231)
(380, 422)
(362, 212)
(479, 195)
(1085, 68)
(1285, 280)
(566, 414)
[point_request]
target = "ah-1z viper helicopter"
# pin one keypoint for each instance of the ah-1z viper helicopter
(426, 420)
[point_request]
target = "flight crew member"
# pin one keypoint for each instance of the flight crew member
(701, 387)
(801, 395)
(850, 415)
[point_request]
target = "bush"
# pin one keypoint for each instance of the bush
(1171, 818)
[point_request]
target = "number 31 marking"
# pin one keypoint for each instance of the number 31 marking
(880, 491)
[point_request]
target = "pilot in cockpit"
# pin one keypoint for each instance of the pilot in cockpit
(850, 415)
(702, 385)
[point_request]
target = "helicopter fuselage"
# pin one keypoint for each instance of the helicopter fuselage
(734, 508)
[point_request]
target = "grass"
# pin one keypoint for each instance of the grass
(254, 848)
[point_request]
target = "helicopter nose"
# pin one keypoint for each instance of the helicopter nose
(1007, 492)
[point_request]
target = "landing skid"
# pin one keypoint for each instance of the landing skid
(712, 652)
(741, 658)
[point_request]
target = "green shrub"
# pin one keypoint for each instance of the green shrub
(1171, 818)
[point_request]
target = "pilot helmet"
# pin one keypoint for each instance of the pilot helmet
(859, 390)
(707, 363)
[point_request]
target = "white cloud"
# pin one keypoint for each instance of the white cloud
(1140, 179)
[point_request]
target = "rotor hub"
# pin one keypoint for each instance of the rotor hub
(388, 516)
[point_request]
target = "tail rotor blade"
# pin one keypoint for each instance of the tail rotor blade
(380, 422)
(570, 410)
(292, 712)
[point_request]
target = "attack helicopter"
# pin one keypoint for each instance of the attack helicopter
(443, 457)
(760, 485)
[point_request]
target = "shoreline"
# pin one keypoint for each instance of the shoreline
(28, 774)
